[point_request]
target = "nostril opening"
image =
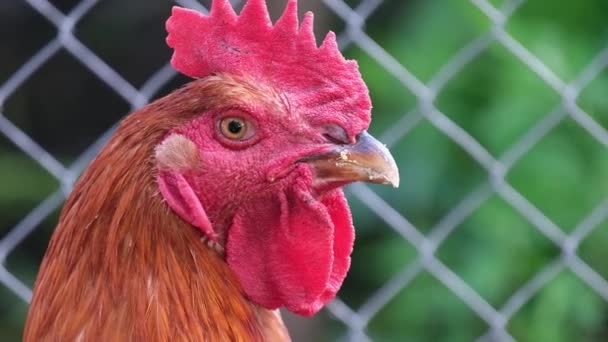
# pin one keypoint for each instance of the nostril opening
(336, 134)
(358, 137)
(332, 139)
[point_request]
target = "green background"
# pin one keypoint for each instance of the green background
(496, 99)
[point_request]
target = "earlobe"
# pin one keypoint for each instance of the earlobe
(174, 156)
(183, 201)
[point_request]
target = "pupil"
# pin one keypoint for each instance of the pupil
(235, 127)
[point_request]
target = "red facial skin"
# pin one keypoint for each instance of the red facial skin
(287, 236)
(288, 241)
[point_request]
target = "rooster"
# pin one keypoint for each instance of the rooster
(216, 205)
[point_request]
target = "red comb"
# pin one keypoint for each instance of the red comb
(284, 54)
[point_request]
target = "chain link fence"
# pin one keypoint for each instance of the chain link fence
(426, 244)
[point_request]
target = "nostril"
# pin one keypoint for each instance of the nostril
(332, 139)
(358, 137)
(336, 134)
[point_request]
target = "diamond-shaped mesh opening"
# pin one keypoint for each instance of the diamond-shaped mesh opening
(498, 3)
(24, 185)
(12, 315)
(65, 5)
(377, 242)
(570, 165)
(496, 251)
(58, 116)
(426, 310)
(593, 99)
(129, 36)
(23, 32)
(565, 38)
(566, 309)
(429, 189)
(355, 3)
(493, 91)
(593, 249)
(409, 32)
(24, 261)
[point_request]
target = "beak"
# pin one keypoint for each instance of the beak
(368, 160)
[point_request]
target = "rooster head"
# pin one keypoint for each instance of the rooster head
(260, 171)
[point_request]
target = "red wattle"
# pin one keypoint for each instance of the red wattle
(292, 250)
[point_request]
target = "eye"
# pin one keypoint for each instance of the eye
(235, 128)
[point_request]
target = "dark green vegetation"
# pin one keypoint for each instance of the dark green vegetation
(496, 98)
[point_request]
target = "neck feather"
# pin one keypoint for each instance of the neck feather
(122, 266)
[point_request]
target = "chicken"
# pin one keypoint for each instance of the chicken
(216, 205)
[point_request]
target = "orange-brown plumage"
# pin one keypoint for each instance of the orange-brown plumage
(121, 266)
(216, 205)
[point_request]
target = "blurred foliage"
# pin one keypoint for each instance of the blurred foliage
(496, 98)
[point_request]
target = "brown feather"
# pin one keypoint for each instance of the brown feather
(122, 267)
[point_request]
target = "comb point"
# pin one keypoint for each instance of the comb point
(181, 37)
(330, 44)
(285, 54)
(288, 22)
(255, 12)
(307, 34)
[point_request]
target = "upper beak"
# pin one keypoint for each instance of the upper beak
(368, 160)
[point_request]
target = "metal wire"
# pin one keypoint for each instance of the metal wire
(426, 245)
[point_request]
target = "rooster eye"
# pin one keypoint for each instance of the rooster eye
(235, 128)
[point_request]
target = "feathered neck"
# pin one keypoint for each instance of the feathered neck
(122, 266)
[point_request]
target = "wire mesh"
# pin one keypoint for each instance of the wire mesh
(354, 33)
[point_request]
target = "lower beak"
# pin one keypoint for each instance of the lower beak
(368, 160)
